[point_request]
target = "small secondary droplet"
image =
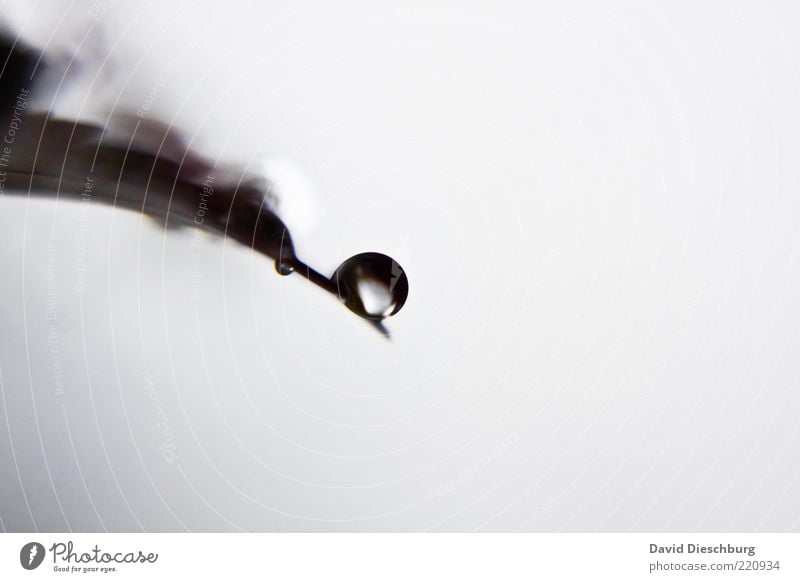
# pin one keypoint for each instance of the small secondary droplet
(283, 268)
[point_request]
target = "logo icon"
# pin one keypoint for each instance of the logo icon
(31, 555)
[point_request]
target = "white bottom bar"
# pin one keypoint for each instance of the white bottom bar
(401, 557)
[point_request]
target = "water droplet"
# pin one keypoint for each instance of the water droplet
(283, 268)
(285, 261)
(372, 285)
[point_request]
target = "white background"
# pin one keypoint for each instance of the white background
(597, 208)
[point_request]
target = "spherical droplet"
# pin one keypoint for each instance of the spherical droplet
(372, 285)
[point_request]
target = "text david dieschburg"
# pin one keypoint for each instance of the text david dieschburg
(750, 551)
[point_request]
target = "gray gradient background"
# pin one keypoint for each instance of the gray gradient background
(597, 206)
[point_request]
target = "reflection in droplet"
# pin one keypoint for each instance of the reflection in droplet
(375, 297)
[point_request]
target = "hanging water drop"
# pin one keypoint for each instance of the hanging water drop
(371, 285)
